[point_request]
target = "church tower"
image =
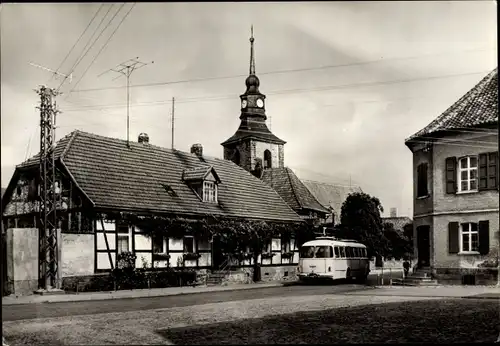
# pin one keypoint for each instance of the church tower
(253, 146)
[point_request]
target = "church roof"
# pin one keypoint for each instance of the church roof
(479, 106)
(148, 178)
(292, 190)
(331, 195)
(398, 221)
(253, 130)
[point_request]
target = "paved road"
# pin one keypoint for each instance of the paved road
(44, 310)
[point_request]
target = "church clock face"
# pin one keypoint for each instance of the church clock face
(260, 103)
(244, 104)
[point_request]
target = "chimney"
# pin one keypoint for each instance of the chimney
(143, 138)
(394, 212)
(197, 149)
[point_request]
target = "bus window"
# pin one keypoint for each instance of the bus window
(342, 252)
(337, 252)
(356, 252)
(364, 253)
(324, 252)
(307, 252)
(348, 252)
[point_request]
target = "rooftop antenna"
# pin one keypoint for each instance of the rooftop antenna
(126, 68)
(55, 73)
(173, 120)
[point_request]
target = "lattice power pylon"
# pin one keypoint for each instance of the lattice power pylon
(48, 255)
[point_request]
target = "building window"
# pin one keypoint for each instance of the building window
(189, 245)
(422, 180)
(267, 159)
(209, 192)
(469, 238)
(122, 243)
(158, 246)
(467, 174)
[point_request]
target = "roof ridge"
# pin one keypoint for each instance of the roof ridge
(70, 142)
(331, 184)
(469, 98)
(149, 144)
(287, 170)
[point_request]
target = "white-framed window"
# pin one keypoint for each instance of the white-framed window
(467, 174)
(123, 243)
(469, 237)
(209, 192)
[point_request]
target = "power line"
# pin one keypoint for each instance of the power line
(280, 71)
(107, 42)
(86, 50)
(284, 92)
(77, 41)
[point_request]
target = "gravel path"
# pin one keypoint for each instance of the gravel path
(139, 327)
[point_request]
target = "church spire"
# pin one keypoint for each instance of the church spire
(252, 56)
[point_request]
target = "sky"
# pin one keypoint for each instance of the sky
(346, 82)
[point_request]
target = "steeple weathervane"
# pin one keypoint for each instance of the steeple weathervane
(252, 58)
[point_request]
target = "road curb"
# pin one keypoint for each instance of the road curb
(102, 296)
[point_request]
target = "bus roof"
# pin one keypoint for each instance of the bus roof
(333, 241)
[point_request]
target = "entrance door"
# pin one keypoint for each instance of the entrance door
(423, 246)
(217, 256)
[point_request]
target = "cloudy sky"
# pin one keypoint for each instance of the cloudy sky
(346, 82)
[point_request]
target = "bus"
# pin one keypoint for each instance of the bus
(332, 258)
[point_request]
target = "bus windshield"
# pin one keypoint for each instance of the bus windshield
(307, 252)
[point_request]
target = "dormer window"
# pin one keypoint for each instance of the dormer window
(204, 182)
(209, 192)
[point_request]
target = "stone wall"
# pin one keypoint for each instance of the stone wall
(443, 259)
(444, 202)
(22, 260)
(278, 273)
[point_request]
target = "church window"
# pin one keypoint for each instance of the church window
(267, 159)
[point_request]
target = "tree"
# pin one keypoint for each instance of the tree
(360, 220)
(399, 245)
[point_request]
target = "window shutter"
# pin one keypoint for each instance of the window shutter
(484, 237)
(483, 171)
(424, 180)
(493, 170)
(453, 237)
(451, 174)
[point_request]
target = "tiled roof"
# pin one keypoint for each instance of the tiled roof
(398, 222)
(148, 178)
(198, 173)
(331, 195)
(477, 107)
(253, 128)
(291, 189)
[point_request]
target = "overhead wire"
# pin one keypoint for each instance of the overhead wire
(277, 92)
(105, 44)
(318, 68)
(79, 38)
(86, 49)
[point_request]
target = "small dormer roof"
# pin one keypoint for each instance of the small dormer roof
(200, 173)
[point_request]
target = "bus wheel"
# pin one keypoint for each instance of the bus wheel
(348, 275)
